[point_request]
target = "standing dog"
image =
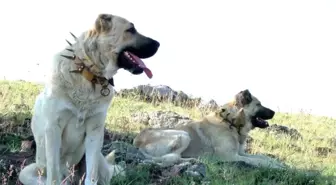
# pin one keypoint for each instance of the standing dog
(69, 115)
(222, 134)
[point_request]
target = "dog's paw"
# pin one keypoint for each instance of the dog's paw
(90, 182)
(278, 165)
(148, 161)
(282, 165)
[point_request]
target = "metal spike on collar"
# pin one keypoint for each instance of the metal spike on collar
(76, 71)
(68, 42)
(69, 57)
(71, 50)
(73, 36)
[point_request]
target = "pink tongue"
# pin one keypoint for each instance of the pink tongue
(142, 65)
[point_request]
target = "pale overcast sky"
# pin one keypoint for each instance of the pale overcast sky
(283, 51)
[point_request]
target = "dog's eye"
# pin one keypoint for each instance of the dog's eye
(106, 17)
(131, 30)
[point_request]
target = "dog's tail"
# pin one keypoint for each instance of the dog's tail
(111, 157)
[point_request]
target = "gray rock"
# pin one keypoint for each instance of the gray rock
(196, 170)
(323, 151)
(124, 152)
(181, 97)
(132, 156)
(284, 130)
(160, 119)
(160, 93)
(208, 105)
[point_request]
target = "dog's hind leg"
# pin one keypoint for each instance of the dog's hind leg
(180, 142)
(167, 150)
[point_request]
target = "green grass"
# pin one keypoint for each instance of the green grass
(17, 99)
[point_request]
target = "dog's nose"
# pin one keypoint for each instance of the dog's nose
(156, 43)
(153, 43)
(271, 113)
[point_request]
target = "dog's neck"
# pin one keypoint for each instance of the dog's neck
(86, 67)
(217, 119)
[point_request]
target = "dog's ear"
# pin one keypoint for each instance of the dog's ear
(240, 118)
(243, 98)
(224, 112)
(103, 23)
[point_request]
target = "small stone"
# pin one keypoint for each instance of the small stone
(284, 130)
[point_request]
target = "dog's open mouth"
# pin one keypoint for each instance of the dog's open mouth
(135, 59)
(133, 63)
(260, 123)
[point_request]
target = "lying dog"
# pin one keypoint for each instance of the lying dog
(69, 115)
(221, 134)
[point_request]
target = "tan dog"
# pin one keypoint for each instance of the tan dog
(69, 115)
(221, 134)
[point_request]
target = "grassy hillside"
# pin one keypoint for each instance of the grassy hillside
(17, 99)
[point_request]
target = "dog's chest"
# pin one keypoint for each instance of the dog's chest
(87, 102)
(73, 141)
(87, 99)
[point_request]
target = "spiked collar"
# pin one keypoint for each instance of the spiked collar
(232, 123)
(88, 71)
(238, 127)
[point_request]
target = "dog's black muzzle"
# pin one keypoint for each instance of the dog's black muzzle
(265, 113)
(146, 49)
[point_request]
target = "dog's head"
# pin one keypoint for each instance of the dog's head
(115, 43)
(253, 109)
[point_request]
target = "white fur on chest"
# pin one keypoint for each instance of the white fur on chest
(82, 100)
(88, 102)
(77, 90)
(88, 98)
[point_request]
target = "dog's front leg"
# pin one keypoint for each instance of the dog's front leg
(53, 139)
(93, 144)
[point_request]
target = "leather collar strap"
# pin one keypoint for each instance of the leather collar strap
(94, 79)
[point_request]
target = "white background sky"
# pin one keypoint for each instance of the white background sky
(282, 51)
